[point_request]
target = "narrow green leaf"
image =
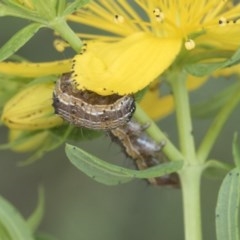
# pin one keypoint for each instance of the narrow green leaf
(233, 60)
(211, 106)
(216, 169)
(36, 217)
(203, 69)
(17, 10)
(46, 9)
(236, 150)
(61, 5)
(95, 168)
(18, 40)
(75, 6)
(111, 174)
(12, 223)
(227, 210)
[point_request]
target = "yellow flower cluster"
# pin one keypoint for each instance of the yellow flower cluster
(133, 52)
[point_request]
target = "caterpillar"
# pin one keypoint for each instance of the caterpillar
(88, 109)
(143, 150)
(113, 114)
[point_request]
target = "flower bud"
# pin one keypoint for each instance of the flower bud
(31, 109)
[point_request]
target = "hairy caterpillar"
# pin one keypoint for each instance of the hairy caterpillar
(112, 113)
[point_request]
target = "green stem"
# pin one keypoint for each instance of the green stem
(190, 174)
(216, 126)
(62, 28)
(154, 131)
(184, 123)
(190, 181)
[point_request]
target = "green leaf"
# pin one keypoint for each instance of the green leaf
(36, 217)
(233, 60)
(46, 9)
(111, 174)
(236, 150)
(13, 8)
(216, 169)
(212, 106)
(61, 5)
(203, 69)
(227, 210)
(18, 40)
(75, 6)
(12, 225)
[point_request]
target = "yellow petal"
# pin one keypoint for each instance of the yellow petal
(155, 106)
(31, 109)
(25, 69)
(124, 67)
(195, 82)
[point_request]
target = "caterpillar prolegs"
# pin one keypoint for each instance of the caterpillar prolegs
(112, 113)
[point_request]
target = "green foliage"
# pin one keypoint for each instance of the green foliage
(205, 69)
(13, 226)
(227, 210)
(18, 40)
(216, 169)
(45, 13)
(37, 215)
(111, 174)
(75, 6)
(236, 151)
(52, 14)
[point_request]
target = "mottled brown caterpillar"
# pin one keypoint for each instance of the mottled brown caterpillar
(88, 109)
(112, 113)
(143, 150)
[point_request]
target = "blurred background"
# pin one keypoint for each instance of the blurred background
(77, 207)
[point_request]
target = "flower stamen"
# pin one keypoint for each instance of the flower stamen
(224, 21)
(60, 45)
(159, 15)
(119, 19)
(190, 44)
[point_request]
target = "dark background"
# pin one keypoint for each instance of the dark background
(77, 207)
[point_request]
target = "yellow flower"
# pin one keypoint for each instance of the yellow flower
(124, 67)
(155, 105)
(26, 69)
(136, 54)
(199, 24)
(31, 109)
(142, 46)
(158, 106)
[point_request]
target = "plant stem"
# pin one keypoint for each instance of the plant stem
(184, 123)
(154, 131)
(62, 28)
(217, 125)
(190, 182)
(190, 174)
